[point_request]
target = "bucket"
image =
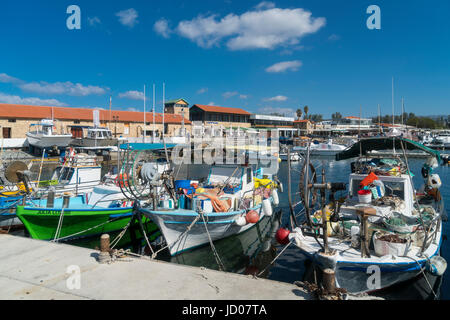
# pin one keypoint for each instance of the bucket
(383, 248)
(364, 196)
(206, 206)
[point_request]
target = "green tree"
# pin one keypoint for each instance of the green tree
(299, 113)
(306, 109)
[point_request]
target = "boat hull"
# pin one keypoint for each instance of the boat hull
(173, 223)
(358, 275)
(48, 141)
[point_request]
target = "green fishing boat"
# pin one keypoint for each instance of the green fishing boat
(78, 220)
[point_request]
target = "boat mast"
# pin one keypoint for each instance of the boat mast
(144, 117)
(110, 102)
(393, 103)
(379, 119)
(153, 113)
(163, 105)
(393, 123)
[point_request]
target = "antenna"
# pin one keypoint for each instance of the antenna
(145, 122)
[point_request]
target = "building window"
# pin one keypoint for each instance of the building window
(11, 120)
(6, 133)
(76, 121)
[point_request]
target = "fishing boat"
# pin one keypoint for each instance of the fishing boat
(95, 137)
(43, 135)
(384, 231)
(231, 201)
(322, 149)
(77, 173)
(67, 218)
(293, 155)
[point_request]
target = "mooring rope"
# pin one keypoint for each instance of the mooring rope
(215, 253)
(273, 261)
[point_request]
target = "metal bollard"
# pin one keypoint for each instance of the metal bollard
(104, 256)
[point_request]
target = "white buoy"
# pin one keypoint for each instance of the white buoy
(241, 221)
(267, 207)
(276, 199)
(280, 186)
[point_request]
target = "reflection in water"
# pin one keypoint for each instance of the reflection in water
(249, 252)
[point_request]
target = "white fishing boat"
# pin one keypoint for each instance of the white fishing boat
(385, 231)
(78, 173)
(322, 149)
(95, 137)
(43, 135)
(442, 139)
(232, 201)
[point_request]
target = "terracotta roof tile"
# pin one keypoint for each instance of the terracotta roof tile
(17, 111)
(221, 109)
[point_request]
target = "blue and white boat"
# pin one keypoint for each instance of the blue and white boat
(385, 231)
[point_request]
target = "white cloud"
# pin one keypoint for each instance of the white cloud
(8, 79)
(288, 112)
(229, 94)
(284, 66)
(276, 98)
(162, 27)
(133, 109)
(42, 87)
(334, 37)
(6, 98)
(265, 5)
(94, 21)
(128, 17)
(202, 90)
(212, 103)
(69, 88)
(134, 95)
(258, 29)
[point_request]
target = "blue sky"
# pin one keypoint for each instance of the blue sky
(260, 56)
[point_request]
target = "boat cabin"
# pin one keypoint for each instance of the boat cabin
(396, 186)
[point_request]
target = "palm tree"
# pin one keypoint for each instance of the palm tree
(299, 113)
(306, 109)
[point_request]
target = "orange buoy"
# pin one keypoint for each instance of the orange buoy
(122, 179)
(252, 216)
(282, 236)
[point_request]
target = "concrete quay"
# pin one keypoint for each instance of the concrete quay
(33, 269)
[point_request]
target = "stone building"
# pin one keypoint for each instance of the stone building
(15, 121)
